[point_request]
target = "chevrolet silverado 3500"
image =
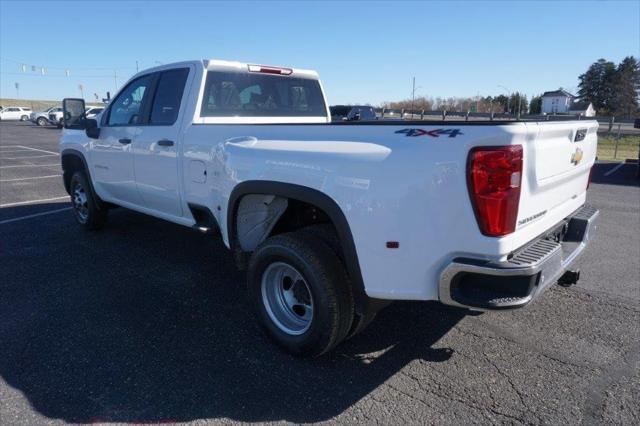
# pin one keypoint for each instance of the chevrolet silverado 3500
(334, 220)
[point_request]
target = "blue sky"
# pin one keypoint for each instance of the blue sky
(364, 51)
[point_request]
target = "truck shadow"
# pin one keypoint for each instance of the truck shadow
(608, 174)
(146, 322)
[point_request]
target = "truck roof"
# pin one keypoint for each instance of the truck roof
(234, 66)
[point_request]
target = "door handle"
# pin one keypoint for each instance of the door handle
(165, 142)
(124, 141)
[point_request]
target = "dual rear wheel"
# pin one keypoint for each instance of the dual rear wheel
(296, 282)
(301, 293)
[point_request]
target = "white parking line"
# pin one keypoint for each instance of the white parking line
(4, 151)
(37, 149)
(24, 158)
(29, 178)
(24, 203)
(612, 171)
(30, 165)
(15, 219)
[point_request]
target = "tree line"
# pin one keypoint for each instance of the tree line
(497, 104)
(612, 89)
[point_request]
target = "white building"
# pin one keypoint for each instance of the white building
(556, 102)
(584, 109)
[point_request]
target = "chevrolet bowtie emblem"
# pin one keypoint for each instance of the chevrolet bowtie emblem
(576, 157)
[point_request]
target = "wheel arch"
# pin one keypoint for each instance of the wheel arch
(310, 196)
(72, 161)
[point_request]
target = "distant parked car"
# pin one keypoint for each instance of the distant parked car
(41, 118)
(636, 123)
(15, 113)
(352, 113)
(55, 119)
(91, 112)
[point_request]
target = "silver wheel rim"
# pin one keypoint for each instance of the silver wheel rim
(287, 298)
(80, 204)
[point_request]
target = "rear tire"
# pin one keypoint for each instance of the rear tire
(327, 234)
(85, 203)
(360, 322)
(300, 293)
(24, 118)
(41, 121)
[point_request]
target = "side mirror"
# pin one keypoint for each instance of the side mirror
(91, 128)
(73, 113)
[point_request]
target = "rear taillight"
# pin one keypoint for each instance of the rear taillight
(494, 175)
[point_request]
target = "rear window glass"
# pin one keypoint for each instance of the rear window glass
(168, 96)
(228, 94)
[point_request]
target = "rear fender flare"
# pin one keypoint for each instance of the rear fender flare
(310, 196)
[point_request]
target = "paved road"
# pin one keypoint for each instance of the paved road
(146, 321)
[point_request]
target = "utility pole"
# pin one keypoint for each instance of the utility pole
(413, 95)
(81, 90)
(136, 67)
(17, 90)
(115, 79)
(519, 104)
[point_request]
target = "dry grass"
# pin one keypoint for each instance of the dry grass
(627, 147)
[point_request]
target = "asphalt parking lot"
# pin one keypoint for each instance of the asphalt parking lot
(146, 321)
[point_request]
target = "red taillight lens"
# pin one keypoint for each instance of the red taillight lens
(494, 177)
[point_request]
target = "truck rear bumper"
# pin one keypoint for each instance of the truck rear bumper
(486, 285)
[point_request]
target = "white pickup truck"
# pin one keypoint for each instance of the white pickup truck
(334, 220)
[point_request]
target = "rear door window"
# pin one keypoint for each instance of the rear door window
(166, 102)
(230, 94)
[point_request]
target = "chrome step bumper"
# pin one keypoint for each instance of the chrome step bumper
(485, 285)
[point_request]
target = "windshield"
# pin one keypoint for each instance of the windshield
(231, 94)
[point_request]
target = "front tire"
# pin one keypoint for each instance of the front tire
(300, 293)
(41, 121)
(85, 203)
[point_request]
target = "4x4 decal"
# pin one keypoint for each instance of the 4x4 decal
(433, 133)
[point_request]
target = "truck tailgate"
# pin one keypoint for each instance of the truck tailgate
(557, 162)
